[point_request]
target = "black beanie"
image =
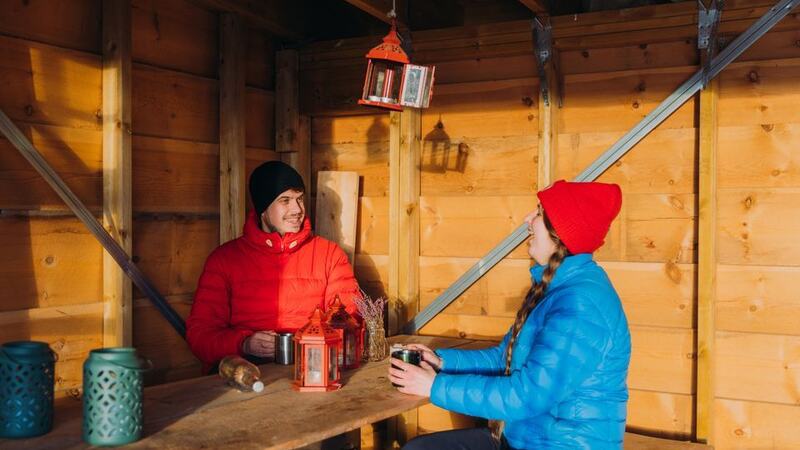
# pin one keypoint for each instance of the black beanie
(270, 180)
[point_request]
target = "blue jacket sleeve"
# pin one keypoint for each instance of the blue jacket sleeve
(566, 351)
(485, 361)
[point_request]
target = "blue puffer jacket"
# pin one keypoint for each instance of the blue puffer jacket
(567, 385)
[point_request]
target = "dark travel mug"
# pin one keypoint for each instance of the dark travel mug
(406, 355)
(284, 348)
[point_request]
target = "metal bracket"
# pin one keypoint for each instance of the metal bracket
(543, 36)
(707, 25)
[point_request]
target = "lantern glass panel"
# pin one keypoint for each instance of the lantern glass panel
(384, 82)
(333, 370)
(350, 341)
(298, 363)
(314, 366)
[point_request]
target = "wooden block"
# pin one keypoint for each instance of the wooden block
(175, 105)
(48, 262)
(72, 24)
(373, 226)
(337, 209)
(759, 156)
(172, 175)
(49, 85)
(172, 252)
(759, 367)
(478, 166)
(482, 109)
(667, 156)
(755, 425)
(655, 294)
(448, 224)
(76, 156)
(370, 160)
(757, 299)
(660, 413)
(660, 228)
(628, 57)
(662, 360)
(753, 225)
(260, 118)
(177, 35)
(757, 93)
(467, 326)
(260, 56)
(350, 129)
(618, 101)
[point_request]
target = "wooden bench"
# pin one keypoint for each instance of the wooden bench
(639, 442)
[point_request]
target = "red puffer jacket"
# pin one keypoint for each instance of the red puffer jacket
(262, 281)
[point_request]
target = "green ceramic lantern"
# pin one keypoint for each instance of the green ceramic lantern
(26, 389)
(112, 396)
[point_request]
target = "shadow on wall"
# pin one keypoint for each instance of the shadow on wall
(437, 149)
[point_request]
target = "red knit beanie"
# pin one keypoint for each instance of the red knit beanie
(581, 213)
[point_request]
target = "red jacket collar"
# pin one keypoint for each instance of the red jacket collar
(274, 242)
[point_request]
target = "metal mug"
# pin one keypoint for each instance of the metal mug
(284, 348)
(406, 355)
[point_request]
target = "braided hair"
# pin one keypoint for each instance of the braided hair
(537, 291)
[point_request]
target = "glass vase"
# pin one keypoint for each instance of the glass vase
(377, 345)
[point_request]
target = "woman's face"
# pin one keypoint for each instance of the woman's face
(541, 246)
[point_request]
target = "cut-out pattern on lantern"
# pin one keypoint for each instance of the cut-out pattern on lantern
(351, 333)
(317, 349)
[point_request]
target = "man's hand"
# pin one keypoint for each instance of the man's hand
(261, 344)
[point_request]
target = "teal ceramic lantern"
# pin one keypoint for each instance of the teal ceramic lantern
(112, 396)
(26, 389)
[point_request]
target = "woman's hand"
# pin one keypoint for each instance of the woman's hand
(410, 378)
(428, 355)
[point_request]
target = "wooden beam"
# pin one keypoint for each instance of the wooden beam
(281, 18)
(706, 261)
(300, 159)
(548, 132)
(231, 126)
(537, 6)
(117, 214)
(287, 100)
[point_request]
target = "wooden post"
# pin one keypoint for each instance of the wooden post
(548, 133)
(231, 127)
(405, 147)
(117, 216)
(287, 101)
(706, 261)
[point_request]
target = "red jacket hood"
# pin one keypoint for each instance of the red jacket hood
(272, 241)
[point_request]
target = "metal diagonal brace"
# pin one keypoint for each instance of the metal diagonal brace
(543, 36)
(686, 91)
(708, 19)
(29, 152)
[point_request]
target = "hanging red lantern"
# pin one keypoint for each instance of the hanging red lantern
(351, 333)
(384, 78)
(316, 362)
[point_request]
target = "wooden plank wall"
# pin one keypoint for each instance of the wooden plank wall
(51, 272)
(479, 179)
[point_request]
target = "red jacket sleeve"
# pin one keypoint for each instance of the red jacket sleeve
(208, 328)
(341, 280)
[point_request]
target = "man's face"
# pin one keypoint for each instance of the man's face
(286, 213)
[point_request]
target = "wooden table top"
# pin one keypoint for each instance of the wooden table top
(206, 413)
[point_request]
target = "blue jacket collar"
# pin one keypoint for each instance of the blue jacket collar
(567, 268)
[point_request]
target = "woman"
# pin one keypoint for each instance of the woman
(557, 380)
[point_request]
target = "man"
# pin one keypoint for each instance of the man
(270, 279)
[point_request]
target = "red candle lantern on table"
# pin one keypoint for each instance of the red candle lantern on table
(351, 333)
(316, 362)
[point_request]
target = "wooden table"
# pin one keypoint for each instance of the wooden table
(206, 413)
